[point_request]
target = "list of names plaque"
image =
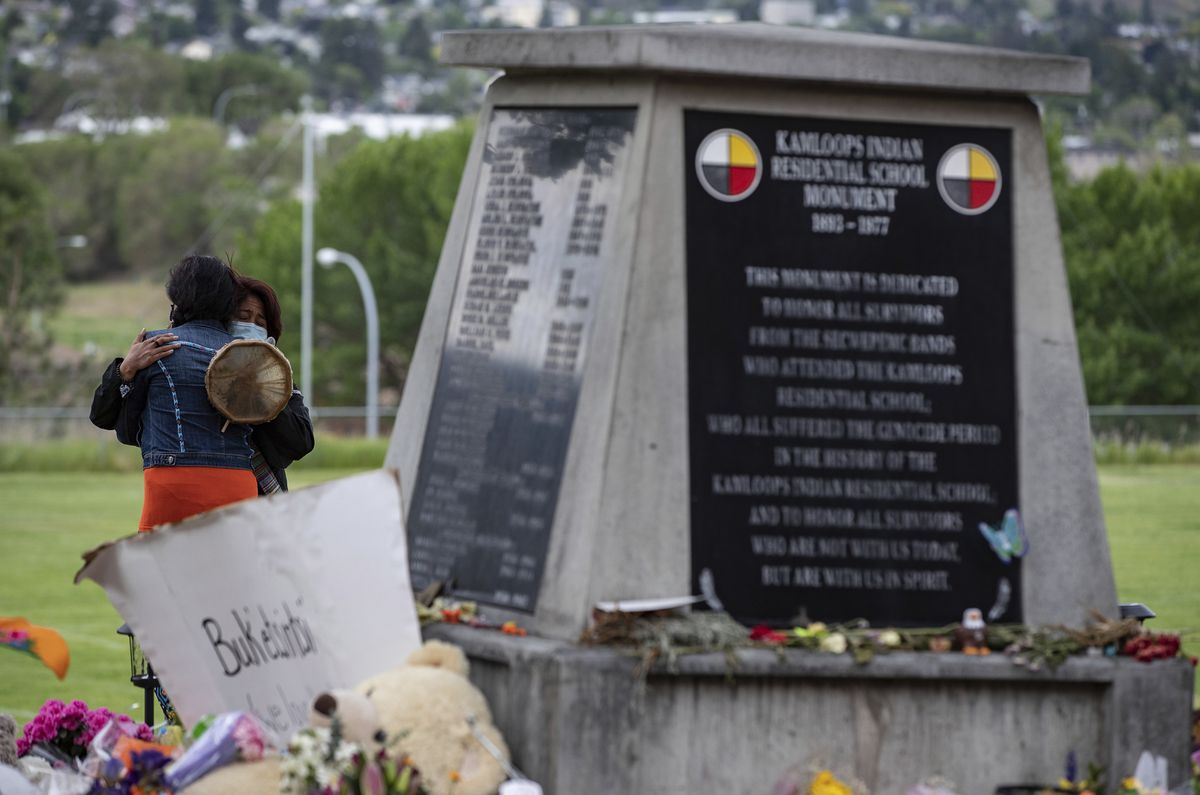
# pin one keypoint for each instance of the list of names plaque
(851, 372)
(504, 403)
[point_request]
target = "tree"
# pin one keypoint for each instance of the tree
(169, 197)
(238, 25)
(30, 275)
(90, 21)
(1132, 250)
(416, 43)
(388, 203)
(208, 19)
(276, 87)
(349, 48)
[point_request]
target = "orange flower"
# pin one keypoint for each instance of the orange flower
(452, 615)
(455, 776)
(511, 628)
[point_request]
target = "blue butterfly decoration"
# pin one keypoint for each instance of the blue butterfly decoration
(1009, 540)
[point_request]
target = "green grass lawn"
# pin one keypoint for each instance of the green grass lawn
(103, 317)
(1153, 515)
(48, 520)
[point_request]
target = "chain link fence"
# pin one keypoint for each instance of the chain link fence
(1173, 426)
(41, 423)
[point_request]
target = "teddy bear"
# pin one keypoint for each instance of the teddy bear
(429, 702)
(424, 708)
(8, 741)
(359, 723)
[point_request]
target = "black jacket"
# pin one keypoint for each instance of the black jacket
(287, 438)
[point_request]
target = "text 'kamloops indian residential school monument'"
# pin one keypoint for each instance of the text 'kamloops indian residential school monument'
(777, 316)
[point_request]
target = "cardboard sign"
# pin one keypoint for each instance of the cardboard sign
(262, 605)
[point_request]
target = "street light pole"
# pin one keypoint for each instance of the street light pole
(223, 99)
(306, 257)
(328, 257)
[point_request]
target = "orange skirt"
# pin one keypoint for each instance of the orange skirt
(172, 494)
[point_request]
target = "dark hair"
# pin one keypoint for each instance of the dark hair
(202, 288)
(248, 285)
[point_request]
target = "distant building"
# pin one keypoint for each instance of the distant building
(379, 126)
(562, 14)
(788, 12)
(719, 16)
(513, 13)
(197, 50)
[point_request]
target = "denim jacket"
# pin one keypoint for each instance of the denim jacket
(167, 413)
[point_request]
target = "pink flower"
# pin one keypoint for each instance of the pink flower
(373, 779)
(22, 746)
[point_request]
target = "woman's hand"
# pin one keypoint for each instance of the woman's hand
(145, 352)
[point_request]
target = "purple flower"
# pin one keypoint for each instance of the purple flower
(52, 708)
(22, 746)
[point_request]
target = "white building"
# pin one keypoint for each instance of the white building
(699, 16)
(788, 12)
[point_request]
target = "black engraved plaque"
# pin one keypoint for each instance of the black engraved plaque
(539, 238)
(851, 373)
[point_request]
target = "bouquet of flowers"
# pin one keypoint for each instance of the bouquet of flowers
(64, 731)
(320, 762)
(232, 737)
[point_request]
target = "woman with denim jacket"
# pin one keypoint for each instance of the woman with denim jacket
(280, 442)
(192, 459)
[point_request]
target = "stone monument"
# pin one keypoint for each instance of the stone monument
(779, 317)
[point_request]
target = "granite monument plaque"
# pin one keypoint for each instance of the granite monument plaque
(852, 408)
(504, 402)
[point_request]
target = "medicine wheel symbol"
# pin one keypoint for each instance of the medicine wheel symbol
(728, 165)
(968, 178)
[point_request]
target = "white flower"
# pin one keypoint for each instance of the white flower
(346, 751)
(834, 644)
(889, 638)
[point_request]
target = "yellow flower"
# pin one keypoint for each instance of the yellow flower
(816, 628)
(825, 784)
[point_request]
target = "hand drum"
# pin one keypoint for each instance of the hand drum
(249, 382)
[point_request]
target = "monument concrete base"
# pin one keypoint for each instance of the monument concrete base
(579, 721)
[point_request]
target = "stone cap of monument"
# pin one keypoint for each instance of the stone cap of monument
(757, 50)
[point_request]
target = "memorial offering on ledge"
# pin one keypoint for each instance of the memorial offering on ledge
(320, 760)
(63, 732)
(231, 737)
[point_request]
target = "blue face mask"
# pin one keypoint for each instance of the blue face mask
(249, 331)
